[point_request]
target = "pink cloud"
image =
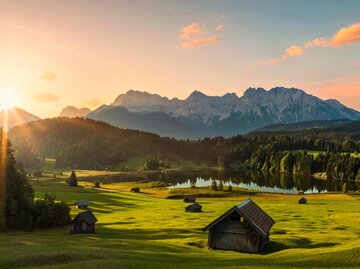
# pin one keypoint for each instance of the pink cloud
(200, 42)
(317, 42)
(346, 35)
(193, 35)
(219, 27)
(356, 63)
(294, 51)
(191, 30)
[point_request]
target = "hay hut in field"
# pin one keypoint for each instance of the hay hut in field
(83, 223)
(190, 199)
(83, 204)
(302, 200)
(243, 228)
(193, 208)
(136, 189)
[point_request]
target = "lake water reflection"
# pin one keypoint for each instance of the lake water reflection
(255, 180)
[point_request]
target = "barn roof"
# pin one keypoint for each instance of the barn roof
(194, 206)
(82, 203)
(257, 218)
(87, 216)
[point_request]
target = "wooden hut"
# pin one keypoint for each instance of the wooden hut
(83, 223)
(136, 189)
(243, 228)
(302, 200)
(83, 204)
(193, 208)
(190, 199)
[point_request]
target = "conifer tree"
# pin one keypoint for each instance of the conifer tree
(73, 179)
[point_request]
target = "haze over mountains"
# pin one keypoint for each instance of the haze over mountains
(200, 115)
(15, 116)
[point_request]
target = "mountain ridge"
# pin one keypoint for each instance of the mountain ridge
(227, 115)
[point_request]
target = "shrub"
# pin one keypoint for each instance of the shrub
(97, 184)
(230, 188)
(221, 186)
(50, 214)
(214, 185)
(73, 179)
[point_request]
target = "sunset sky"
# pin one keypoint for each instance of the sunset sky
(85, 53)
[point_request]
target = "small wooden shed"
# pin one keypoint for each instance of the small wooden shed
(83, 204)
(243, 228)
(83, 223)
(302, 200)
(136, 189)
(193, 208)
(190, 199)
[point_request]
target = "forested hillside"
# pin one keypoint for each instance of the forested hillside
(90, 144)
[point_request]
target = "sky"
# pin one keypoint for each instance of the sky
(86, 53)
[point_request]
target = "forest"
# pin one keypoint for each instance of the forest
(88, 144)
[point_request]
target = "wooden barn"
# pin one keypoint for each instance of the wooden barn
(83, 204)
(190, 199)
(302, 200)
(243, 228)
(193, 208)
(136, 189)
(83, 223)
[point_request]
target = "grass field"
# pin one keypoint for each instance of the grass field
(145, 231)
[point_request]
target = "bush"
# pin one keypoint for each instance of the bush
(97, 184)
(51, 214)
(221, 186)
(38, 173)
(193, 184)
(214, 185)
(230, 188)
(73, 179)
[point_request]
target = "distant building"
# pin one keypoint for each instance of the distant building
(193, 208)
(83, 223)
(190, 199)
(243, 228)
(83, 204)
(302, 200)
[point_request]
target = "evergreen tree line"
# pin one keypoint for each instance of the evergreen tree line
(18, 208)
(341, 166)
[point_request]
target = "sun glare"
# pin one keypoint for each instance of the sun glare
(7, 99)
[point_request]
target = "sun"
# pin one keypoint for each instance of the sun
(7, 99)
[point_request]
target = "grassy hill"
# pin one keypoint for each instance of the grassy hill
(144, 231)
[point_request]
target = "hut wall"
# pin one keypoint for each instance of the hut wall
(234, 235)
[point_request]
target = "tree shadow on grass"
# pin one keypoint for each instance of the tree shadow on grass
(293, 243)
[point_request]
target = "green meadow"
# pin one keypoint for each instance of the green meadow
(147, 231)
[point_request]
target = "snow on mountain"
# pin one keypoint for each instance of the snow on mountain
(225, 115)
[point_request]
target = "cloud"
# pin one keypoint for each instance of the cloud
(347, 35)
(48, 76)
(294, 51)
(191, 30)
(219, 27)
(200, 42)
(193, 35)
(317, 42)
(356, 63)
(45, 97)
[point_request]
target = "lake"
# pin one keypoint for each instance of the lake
(254, 180)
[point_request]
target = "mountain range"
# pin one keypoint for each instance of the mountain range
(201, 115)
(15, 116)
